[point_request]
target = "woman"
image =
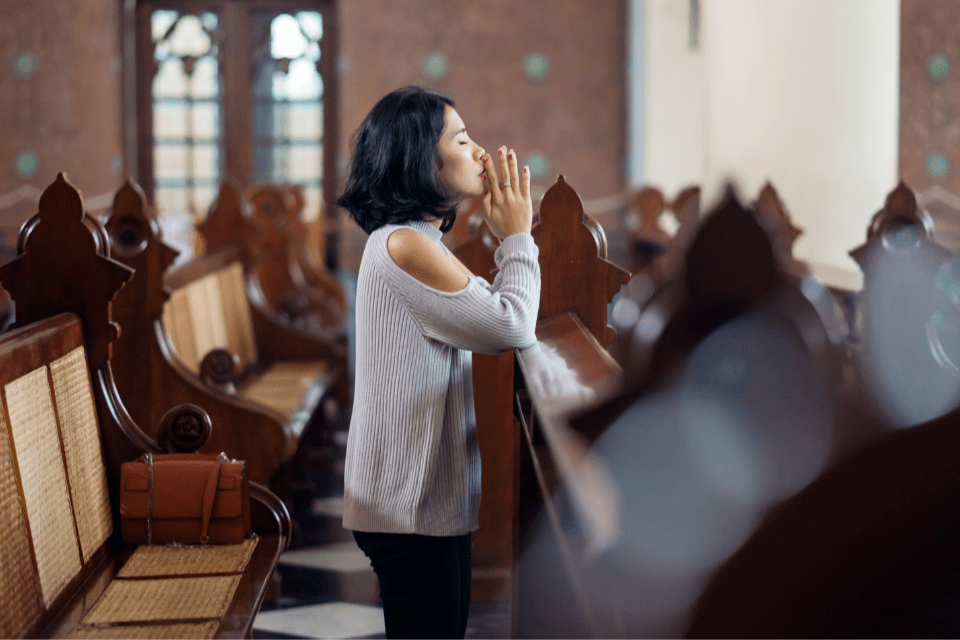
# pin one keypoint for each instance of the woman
(412, 475)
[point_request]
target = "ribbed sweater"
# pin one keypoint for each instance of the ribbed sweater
(412, 462)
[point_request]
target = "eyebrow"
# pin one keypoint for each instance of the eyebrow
(463, 130)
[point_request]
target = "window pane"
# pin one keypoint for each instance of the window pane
(303, 81)
(205, 81)
(169, 120)
(304, 163)
(205, 162)
(161, 21)
(170, 161)
(203, 197)
(189, 37)
(312, 24)
(170, 80)
(286, 38)
(311, 208)
(171, 200)
(306, 122)
(206, 121)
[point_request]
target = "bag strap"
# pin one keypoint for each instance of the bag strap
(209, 493)
(148, 458)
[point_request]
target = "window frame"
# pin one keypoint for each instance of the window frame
(235, 62)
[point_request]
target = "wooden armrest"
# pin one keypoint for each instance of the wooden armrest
(577, 371)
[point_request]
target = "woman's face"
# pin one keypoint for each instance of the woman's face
(461, 170)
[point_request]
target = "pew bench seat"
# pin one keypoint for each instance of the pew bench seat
(66, 571)
(239, 346)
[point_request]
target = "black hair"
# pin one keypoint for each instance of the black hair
(393, 174)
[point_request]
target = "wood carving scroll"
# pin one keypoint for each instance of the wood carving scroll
(307, 249)
(64, 265)
(775, 218)
(648, 207)
(184, 429)
(900, 210)
(575, 274)
(228, 223)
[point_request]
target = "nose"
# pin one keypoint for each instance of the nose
(479, 152)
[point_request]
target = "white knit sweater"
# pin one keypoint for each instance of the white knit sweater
(412, 464)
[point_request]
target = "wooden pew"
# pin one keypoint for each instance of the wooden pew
(909, 346)
(651, 242)
(209, 343)
(855, 541)
(656, 220)
(493, 543)
(265, 226)
(151, 378)
(572, 258)
(868, 549)
(308, 240)
(64, 438)
(636, 522)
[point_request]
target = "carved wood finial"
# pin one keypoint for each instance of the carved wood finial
(650, 204)
(575, 274)
(273, 220)
(227, 223)
(64, 266)
(137, 241)
(900, 212)
(773, 215)
(716, 271)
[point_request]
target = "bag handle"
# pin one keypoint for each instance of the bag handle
(209, 493)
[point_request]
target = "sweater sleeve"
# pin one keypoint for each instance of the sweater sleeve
(481, 317)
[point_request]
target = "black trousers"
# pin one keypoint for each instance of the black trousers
(424, 582)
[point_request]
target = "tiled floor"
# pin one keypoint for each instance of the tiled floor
(328, 587)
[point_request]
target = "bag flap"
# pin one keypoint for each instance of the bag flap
(178, 489)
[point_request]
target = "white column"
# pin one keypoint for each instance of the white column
(636, 90)
(673, 83)
(804, 93)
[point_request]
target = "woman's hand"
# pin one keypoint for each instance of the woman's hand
(507, 203)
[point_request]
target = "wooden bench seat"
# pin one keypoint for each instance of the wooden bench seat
(210, 317)
(64, 434)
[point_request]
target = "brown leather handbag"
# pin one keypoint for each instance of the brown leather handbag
(185, 498)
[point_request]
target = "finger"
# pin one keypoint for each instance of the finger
(504, 168)
(487, 200)
(525, 183)
(512, 171)
(493, 182)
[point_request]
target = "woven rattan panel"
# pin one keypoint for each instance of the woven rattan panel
(43, 477)
(19, 587)
(206, 311)
(178, 323)
(155, 561)
(149, 600)
(237, 318)
(149, 631)
(81, 444)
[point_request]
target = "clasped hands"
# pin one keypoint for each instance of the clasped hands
(507, 205)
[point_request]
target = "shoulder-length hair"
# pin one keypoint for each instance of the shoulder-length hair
(393, 174)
